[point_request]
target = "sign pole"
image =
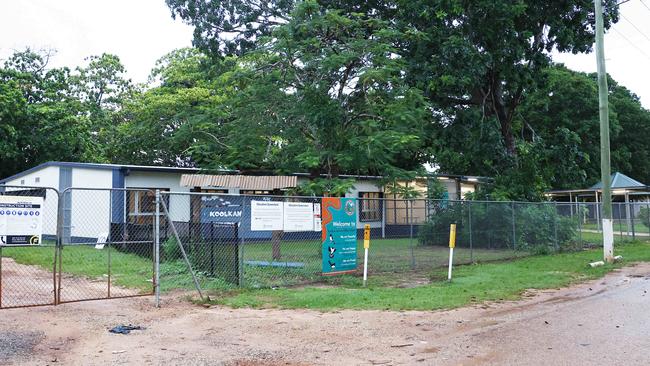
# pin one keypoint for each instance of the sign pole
(452, 245)
(366, 246)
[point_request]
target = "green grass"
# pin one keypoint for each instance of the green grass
(471, 284)
(133, 271)
(620, 226)
(385, 255)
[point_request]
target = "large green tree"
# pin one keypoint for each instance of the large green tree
(180, 120)
(40, 118)
(326, 94)
(460, 53)
(558, 138)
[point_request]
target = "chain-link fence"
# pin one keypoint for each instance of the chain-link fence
(93, 244)
(630, 219)
(217, 232)
(106, 243)
(27, 264)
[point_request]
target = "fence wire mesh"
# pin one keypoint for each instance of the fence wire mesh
(21, 282)
(107, 243)
(406, 236)
(101, 243)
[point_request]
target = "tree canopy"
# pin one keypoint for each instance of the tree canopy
(337, 87)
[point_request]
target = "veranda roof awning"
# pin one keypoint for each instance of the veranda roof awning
(247, 182)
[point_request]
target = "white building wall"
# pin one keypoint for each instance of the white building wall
(179, 205)
(48, 177)
(466, 188)
(90, 210)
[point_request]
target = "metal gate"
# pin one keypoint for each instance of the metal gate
(97, 244)
(28, 271)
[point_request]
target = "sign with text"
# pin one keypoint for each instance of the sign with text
(266, 215)
(227, 209)
(298, 216)
(21, 220)
(339, 235)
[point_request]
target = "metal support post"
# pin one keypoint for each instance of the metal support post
(555, 223)
(514, 233)
(471, 242)
(180, 246)
(156, 249)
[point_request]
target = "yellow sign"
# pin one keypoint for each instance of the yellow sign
(452, 236)
(366, 237)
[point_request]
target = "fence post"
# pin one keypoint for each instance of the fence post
(241, 242)
(109, 239)
(580, 218)
(383, 217)
(156, 250)
(471, 242)
(514, 230)
(59, 248)
(648, 211)
(555, 217)
(410, 203)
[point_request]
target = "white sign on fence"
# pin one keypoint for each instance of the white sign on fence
(266, 215)
(298, 216)
(21, 220)
(317, 218)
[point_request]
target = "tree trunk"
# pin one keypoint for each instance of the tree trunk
(504, 114)
(276, 237)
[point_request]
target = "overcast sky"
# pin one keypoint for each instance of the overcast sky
(141, 31)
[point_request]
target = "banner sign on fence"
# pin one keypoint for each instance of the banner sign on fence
(339, 235)
(221, 209)
(21, 220)
(298, 216)
(266, 215)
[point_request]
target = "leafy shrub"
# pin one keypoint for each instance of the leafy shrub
(536, 226)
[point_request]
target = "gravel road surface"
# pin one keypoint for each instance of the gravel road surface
(603, 322)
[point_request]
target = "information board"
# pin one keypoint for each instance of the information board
(298, 216)
(21, 220)
(266, 215)
(339, 235)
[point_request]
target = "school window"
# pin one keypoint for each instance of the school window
(370, 206)
(142, 205)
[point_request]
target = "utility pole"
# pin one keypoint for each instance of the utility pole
(608, 227)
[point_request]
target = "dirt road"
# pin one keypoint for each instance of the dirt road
(600, 322)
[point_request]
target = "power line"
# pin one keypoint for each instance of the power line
(635, 27)
(644, 4)
(632, 43)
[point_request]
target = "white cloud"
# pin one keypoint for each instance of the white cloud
(627, 51)
(139, 32)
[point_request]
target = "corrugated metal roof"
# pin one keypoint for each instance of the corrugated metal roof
(249, 182)
(619, 180)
